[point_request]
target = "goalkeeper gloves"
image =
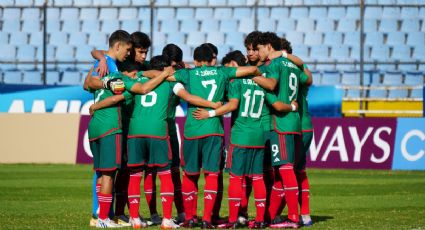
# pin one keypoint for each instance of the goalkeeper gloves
(116, 85)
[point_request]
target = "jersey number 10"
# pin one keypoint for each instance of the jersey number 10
(248, 101)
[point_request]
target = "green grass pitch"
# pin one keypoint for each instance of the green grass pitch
(58, 197)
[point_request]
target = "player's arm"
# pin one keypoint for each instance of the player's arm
(92, 82)
(282, 107)
(265, 83)
(180, 91)
(155, 73)
(232, 105)
(107, 102)
(294, 59)
(102, 68)
(152, 83)
(244, 71)
(309, 76)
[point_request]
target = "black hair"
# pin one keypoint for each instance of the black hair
(119, 36)
(269, 38)
(212, 47)
(159, 62)
(236, 56)
(140, 40)
(286, 45)
(203, 53)
(251, 39)
(173, 52)
(128, 65)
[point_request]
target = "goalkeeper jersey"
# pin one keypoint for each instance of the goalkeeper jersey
(108, 120)
(288, 77)
(208, 82)
(149, 118)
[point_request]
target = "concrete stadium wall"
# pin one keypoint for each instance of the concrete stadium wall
(39, 138)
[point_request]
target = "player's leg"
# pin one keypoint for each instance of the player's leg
(149, 187)
(255, 162)
(216, 219)
(121, 186)
(235, 191)
(268, 174)
(303, 183)
(246, 192)
(175, 175)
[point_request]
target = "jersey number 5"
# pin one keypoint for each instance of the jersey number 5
(152, 96)
(213, 89)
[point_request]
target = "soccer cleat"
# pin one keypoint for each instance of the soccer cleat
(229, 225)
(285, 224)
(155, 220)
(258, 225)
(180, 218)
(216, 220)
(93, 221)
(137, 222)
(122, 220)
(168, 224)
(188, 224)
(242, 220)
(207, 225)
(107, 223)
(306, 220)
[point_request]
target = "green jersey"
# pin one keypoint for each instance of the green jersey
(248, 127)
(149, 118)
(171, 113)
(288, 77)
(108, 120)
(303, 108)
(208, 82)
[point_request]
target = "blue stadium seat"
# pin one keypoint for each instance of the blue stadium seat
(165, 14)
(189, 25)
(63, 2)
(336, 13)
(204, 13)
(198, 3)
(305, 25)
(91, 26)
(65, 53)
(121, 2)
(88, 14)
(31, 14)
(31, 26)
(409, 12)
(127, 13)
(378, 93)
(392, 78)
(176, 38)
(32, 77)
(50, 53)
(185, 13)
(296, 38)
(235, 38)
(274, 2)
(299, 12)
(228, 25)
(300, 50)
(11, 14)
(11, 26)
(341, 53)
(144, 14)
(195, 38)
(320, 53)
(69, 13)
(97, 38)
(8, 52)
(407, 67)
(70, 77)
(416, 93)
(317, 77)
(414, 38)
(355, 53)
(279, 13)
(330, 2)
(410, 25)
(160, 38)
(331, 77)
(140, 2)
(109, 26)
(353, 12)
(216, 38)
(240, 13)
(83, 53)
(391, 12)
(370, 25)
(419, 53)
(333, 38)
(388, 25)
(386, 2)
(217, 2)
(374, 77)
(350, 78)
(266, 24)
(414, 78)
(237, 3)
(209, 25)
(162, 3)
(246, 25)
(347, 25)
(373, 12)
(349, 2)
(82, 3)
(187, 53)
(318, 12)
(401, 53)
(19, 38)
(24, 3)
(169, 26)
(374, 38)
(53, 25)
(58, 38)
(313, 38)
(325, 25)
(396, 38)
(397, 93)
(353, 93)
(263, 12)
(380, 53)
(4, 37)
(26, 53)
(130, 25)
(108, 13)
(53, 14)
(285, 25)
(146, 26)
(102, 2)
(223, 13)
(179, 2)
(71, 26)
(12, 77)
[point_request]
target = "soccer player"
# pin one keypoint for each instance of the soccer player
(246, 151)
(284, 77)
(105, 129)
(202, 145)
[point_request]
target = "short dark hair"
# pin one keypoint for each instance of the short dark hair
(286, 45)
(128, 65)
(203, 53)
(159, 62)
(173, 52)
(269, 38)
(212, 47)
(251, 39)
(140, 40)
(119, 36)
(236, 56)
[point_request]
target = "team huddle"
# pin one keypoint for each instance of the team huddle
(133, 133)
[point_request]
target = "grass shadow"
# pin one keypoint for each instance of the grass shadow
(317, 219)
